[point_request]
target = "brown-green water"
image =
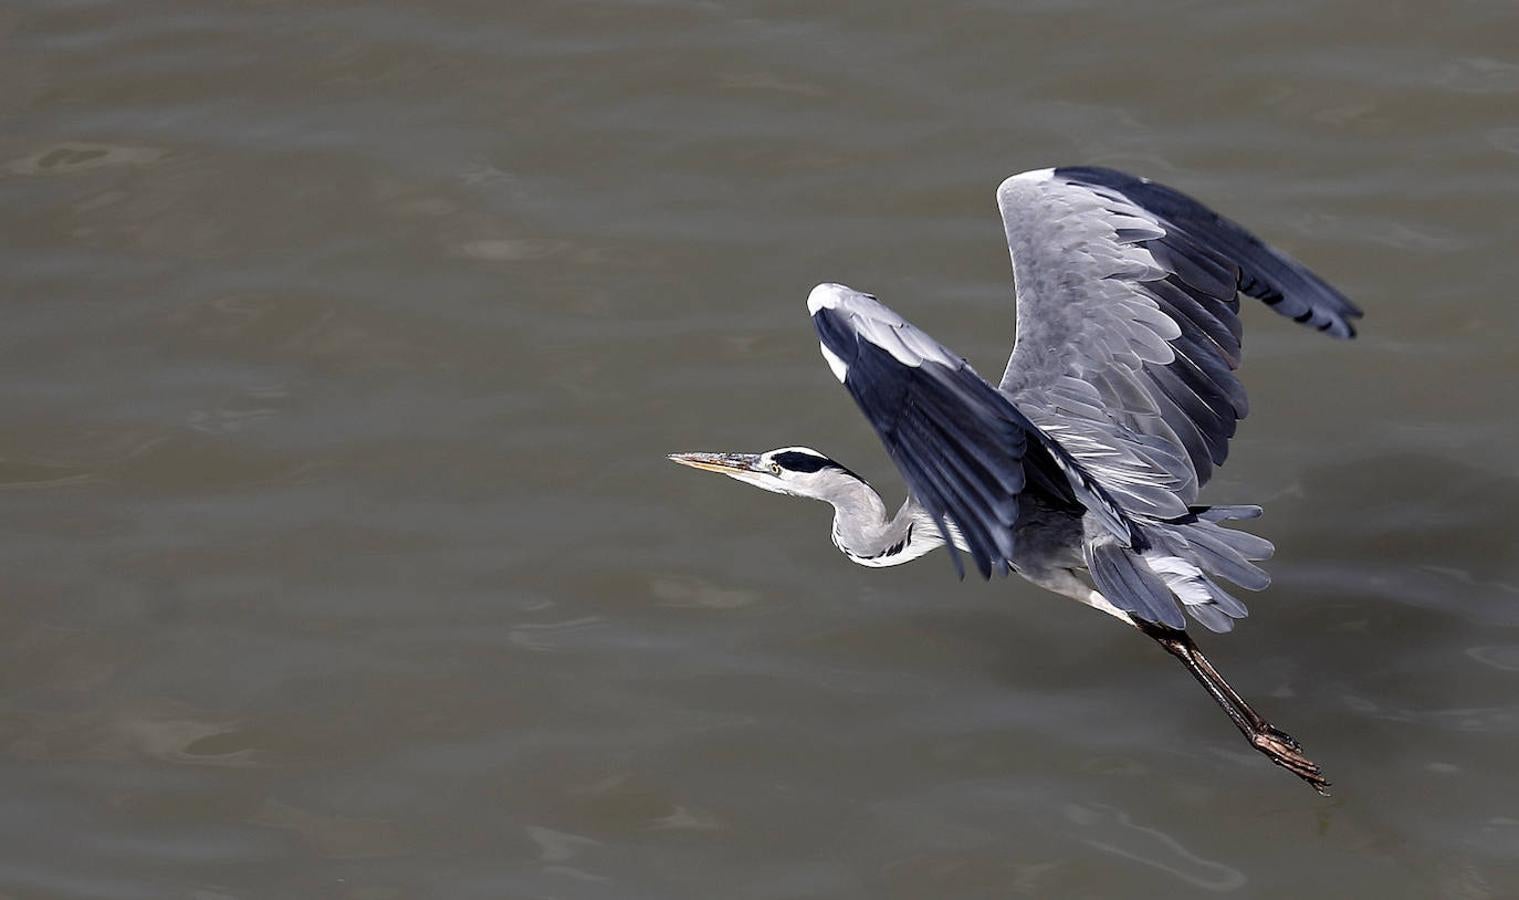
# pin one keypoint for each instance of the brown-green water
(342, 343)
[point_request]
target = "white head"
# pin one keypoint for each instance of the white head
(796, 471)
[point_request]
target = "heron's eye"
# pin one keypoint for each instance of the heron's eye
(775, 469)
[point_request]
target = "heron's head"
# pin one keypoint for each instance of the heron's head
(797, 471)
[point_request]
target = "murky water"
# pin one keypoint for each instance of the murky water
(343, 342)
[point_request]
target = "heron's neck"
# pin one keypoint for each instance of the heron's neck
(868, 536)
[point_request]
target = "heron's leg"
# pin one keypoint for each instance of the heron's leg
(1277, 745)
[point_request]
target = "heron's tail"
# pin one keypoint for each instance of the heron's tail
(1180, 566)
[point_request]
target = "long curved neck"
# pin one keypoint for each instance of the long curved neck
(868, 536)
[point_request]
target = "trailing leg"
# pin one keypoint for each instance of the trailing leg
(1277, 745)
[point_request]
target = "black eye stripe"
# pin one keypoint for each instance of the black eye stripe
(802, 462)
(793, 461)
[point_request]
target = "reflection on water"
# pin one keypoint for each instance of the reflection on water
(74, 156)
(343, 345)
(1151, 847)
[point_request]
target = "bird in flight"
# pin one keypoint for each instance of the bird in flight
(1080, 469)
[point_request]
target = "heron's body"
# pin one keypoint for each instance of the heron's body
(1081, 469)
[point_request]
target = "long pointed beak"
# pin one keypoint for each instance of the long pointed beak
(722, 463)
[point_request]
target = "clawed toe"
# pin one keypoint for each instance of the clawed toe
(1282, 749)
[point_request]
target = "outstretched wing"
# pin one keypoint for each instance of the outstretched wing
(958, 441)
(1128, 326)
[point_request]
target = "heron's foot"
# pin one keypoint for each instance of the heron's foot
(1282, 749)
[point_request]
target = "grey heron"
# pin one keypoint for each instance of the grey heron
(1080, 469)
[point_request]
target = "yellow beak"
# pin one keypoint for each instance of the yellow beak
(722, 463)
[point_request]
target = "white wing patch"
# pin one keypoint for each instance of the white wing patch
(880, 326)
(827, 296)
(839, 367)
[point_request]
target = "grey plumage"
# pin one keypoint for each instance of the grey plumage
(958, 441)
(1117, 403)
(1128, 325)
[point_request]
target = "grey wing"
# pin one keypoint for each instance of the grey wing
(958, 441)
(1128, 326)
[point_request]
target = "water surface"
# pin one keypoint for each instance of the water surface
(343, 342)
